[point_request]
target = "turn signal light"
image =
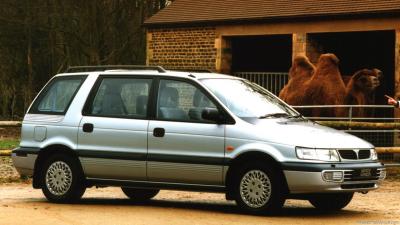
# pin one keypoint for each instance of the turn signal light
(229, 148)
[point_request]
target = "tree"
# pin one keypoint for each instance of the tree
(40, 38)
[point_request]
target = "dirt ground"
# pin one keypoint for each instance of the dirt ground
(20, 204)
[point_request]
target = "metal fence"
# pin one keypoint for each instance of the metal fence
(378, 135)
(272, 81)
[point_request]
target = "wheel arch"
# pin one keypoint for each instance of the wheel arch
(44, 154)
(251, 156)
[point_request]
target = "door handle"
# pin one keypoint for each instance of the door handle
(158, 132)
(87, 128)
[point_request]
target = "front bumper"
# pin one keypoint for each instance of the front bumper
(357, 177)
(24, 160)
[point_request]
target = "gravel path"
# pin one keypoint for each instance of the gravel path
(7, 170)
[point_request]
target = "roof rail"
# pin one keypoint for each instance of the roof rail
(71, 69)
(194, 70)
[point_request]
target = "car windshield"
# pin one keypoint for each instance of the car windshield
(246, 99)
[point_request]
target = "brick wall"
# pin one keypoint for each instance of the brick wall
(299, 44)
(397, 81)
(182, 48)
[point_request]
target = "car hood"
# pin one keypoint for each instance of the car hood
(305, 134)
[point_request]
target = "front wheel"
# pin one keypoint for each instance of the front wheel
(140, 195)
(331, 202)
(258, 189)
(62, 179)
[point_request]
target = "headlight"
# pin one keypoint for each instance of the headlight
(330, 155)
(374, 155)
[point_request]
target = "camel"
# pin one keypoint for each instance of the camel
(301, 71)
(360, 91)
(325, 87)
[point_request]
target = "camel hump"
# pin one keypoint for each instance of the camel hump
(328, 58)
(303, 61)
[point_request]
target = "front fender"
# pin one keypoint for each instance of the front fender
(277, 154)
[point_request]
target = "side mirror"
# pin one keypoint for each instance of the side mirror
(212, 114)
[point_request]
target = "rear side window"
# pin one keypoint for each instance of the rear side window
(57, 95)
(120, 97)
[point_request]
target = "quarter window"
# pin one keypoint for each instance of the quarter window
(121, 97)
(57, 96)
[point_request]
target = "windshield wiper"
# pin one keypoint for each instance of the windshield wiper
(274, 115)
(295, 116)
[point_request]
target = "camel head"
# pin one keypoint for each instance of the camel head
(366, 80)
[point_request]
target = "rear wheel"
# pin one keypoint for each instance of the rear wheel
(140, 195)
(258, 189)
(331, 202)
(62, 179)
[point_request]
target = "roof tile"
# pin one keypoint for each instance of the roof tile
(192, 11)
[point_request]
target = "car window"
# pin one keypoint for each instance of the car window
(121, 97)
(181, 101)
(57, 96)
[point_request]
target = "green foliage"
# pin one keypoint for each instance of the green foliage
(40, 38)
(8, 144)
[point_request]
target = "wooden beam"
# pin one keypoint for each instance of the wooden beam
(387, 149)
(361, 125)
(10, 123)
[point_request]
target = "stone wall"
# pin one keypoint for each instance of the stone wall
(182, 48)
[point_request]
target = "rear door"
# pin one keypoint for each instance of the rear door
(183, 147)
(112, 137)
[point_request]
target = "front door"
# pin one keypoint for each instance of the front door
(183, 147)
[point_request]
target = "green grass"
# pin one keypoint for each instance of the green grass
(8, 144)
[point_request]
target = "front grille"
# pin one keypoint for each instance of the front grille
(364, 154)
(348, 154)
(364, 174)
(355, 186)
(354, 154)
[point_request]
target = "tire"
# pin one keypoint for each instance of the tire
(331, 202)
(140, 195)
(62, 179)
(258, 189)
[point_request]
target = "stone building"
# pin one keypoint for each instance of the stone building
(262, 36)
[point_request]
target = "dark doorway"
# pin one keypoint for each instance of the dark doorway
(272, 53)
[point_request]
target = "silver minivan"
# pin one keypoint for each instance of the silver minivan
(143, 129)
